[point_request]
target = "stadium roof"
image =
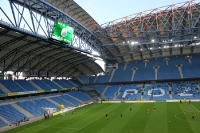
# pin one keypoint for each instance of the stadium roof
(163, 31)
(21, 52)
(75, 11)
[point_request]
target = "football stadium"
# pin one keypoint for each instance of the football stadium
(63, 72)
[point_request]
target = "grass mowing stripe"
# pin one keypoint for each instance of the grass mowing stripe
(195, 107)
(138, 121)
(102, 121)
(95, 116)
(86, 120)
(194, 123)
(67, 123)
(175, 125)
(157, 122)
(91, 119)
(116, 125)
(32, 126)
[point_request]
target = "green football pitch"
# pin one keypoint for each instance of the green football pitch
(168, 118)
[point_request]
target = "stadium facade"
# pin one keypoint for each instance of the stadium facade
(48, 46)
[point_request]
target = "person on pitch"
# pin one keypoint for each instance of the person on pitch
(192, 115)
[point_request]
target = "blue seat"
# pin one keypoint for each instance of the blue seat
(12, 86)
(10, 113)
(110, 91)
(59, 100)
(26, 85)
(31, 107)
(42, 85)
(45, 103)
(79, 95)
(71, 100)
(2, 123)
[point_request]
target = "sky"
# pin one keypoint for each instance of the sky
(107, 10)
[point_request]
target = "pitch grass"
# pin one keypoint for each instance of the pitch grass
(168, 118)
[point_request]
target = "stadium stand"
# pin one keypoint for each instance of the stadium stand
(81, 96)
(92, 79)
(186, 90)
(109, 93)
(86, 89)
(84, 79)
(41, 84)
(73, 82)
(26, 85)
(156, 91)
(1, 92)
(31, 107)
(165, 70)
(69, 83)
(61, 83)
(100, 89)
(129, 92)
(12, 86)
(51, 84)
(10, 113)
(2, 123)
(193, 65)
(143, 72)
(44, 103)
(71, 100)
(118, 72)
(59, 100)
(102, 78)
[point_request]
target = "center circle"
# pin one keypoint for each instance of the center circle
(188, 116)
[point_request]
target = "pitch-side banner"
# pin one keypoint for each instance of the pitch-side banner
(111, 101)
(3, 95)
(141, 101)
(13, 94)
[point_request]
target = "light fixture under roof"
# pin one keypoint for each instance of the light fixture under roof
(195, 37)
(152, 40)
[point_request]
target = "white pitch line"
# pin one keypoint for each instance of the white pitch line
(195, 107)
(64, 127)
(95, 119)
(182, 119)
(48, 121)
(77, 128)
(58, 127)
